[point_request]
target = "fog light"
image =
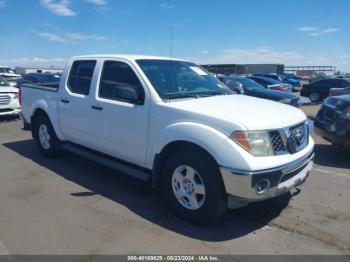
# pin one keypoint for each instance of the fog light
(262, 186)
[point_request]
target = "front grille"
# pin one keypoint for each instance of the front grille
(5, 99)
(289, 140)
(298, 137)
(297, 134)
(6, 110)
(277, 142)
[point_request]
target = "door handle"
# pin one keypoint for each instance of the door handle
(97, 108)
(65, 101)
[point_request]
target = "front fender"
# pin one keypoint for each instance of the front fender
(217, 144)
(51, 112)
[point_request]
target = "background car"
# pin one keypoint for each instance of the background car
(39, 78)
(9, 75)
(319, 90)
(295, 82)
(249, 87)
(9, 99)
(292, 76)
(339, 91)
(333, 121)
(272, 83)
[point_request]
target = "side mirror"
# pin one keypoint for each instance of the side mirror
(235, 86)
(128, 94)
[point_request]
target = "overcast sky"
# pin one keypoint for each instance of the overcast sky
(47, 32)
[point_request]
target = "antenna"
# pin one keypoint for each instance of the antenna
(171, 40)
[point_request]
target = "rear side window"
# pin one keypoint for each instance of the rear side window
(117, 76)
(80, 76)
(343, 83)
(261, 81)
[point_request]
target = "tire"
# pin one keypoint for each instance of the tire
(315, 97)
(208, 192)
(45, 136)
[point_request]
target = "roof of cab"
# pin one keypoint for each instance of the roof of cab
(125, 56)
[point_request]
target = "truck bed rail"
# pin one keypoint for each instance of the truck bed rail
(53, 87)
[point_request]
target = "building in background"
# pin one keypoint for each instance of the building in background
(28, 70)
(308, 71)
(226, 69)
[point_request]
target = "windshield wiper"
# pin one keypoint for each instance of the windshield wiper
(181, 95)
(211, 93)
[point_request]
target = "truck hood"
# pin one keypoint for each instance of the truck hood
(248, 112)
(8, 89)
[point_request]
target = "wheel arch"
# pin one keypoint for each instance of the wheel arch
(161, 158)
(41, 108)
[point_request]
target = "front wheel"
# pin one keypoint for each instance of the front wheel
(193, 186)
(46, 137)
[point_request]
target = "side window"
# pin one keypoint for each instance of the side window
(329, 83)
(320, 83)
(118, 80)
(80, 76)
(342, 83)
(261, 81)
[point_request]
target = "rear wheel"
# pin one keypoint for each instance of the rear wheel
(193, 186)
(315, 97)
(46, 137)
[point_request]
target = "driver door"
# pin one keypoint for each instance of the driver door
(120, 128)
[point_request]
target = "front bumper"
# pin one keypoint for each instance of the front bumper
(242, 184)
(10, 111)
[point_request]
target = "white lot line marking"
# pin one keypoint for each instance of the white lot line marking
(3, 249)
(331, 172)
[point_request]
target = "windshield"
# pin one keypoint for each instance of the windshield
(3, 82)
(6, 70)
(250, 84)
(177, 79)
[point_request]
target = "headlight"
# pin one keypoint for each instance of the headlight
(255, 142)
(16, 96)
(285, 101)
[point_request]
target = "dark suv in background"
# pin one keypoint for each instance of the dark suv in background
(319, 90)
(333, 121)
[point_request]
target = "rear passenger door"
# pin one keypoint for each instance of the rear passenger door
(74, 102)
(118, 127)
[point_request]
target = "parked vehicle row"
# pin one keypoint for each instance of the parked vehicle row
(38, 78)
(247, 86)
(288, 79)
(273, 84)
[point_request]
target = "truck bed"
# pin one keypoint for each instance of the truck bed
(32, 94)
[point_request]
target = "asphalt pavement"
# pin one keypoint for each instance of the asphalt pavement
(70, 205)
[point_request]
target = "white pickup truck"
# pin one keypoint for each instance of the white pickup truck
(170, 122)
